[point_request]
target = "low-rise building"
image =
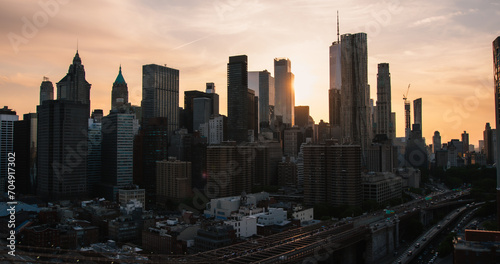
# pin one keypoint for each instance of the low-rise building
(381, 186)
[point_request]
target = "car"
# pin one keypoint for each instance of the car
(424, 239)
(417, 245)
(410, 253)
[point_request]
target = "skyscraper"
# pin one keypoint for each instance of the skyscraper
(62, 137)
(160, 95)
(355, 110)
(173, 180)
(436, 142)
(417, 112)
(384, 122)
(488, 144)
(201, 111)
(7, 119)
(302, 116)
(334, 92)
(189, 97)
(46, 90)
(62, 149)
(74, 87)
(465, 142)
(496, 77)
(25, 148)
(237, 93)
(119, 93)
(284, 91)
(117, 153)
(263, 84)
(94, 162)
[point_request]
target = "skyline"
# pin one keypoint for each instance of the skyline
(444, 46)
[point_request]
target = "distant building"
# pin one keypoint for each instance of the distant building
(217, 129)
(417, 112)
(160, 95)
(478, 246)
(436, 142)
(381, 187)
(302, 116)
(284, 91)
(117, 153)
(94, 164)
(488, 144)
(189, 99)
(131, 192)
(7, 119)
(119, 93)
(287, 173)
(332, 174)
(383, 120)
(263, 84)
(293, 139)
(25, 143)
(173, 180)
(46, 90)
(237, 94)
(214, 237)
(465, 142)
(244, 226)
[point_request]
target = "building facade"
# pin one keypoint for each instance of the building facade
(284, 93)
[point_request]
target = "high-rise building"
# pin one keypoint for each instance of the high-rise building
(119, 93)
(436, 142)
(201, 111)
(417, 112)
(160, 95)
(488, 144)
(7, 119)
(74, 87)
(334, 92)
(293, 139)
(46, 90)
(383, 121)
(173, 181)
(393, 123)
(154, 147)
(117, 153)
(252, 115)
(407, 119)
(94, 161)
(230, 170)
(217, 129)
(237, 94)
(355, 110)
(189, 97)
(496, 77)
(284, 91)
(302, 116)
(465, 142)
(266, 98)
(63, 137)
(332, 174)
(62, 149)
(25, 149)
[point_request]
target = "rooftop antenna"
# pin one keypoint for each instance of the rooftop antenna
(338, 36)
(76, 45)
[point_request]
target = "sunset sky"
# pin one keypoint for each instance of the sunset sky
(442, 48)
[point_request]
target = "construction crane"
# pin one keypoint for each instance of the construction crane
(407, 113)
(405, 96)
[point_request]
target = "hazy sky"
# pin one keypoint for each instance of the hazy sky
(443, 48)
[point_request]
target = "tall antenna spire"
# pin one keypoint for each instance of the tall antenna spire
(76, 45)
(338, 34)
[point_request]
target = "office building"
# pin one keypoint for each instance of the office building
(189, 97)
(74, 87)
(62, 149)
(7, 119)
(293, 139)
(160, 95)
(173, 180)
(496, 78)
(488, 144)
(436, 142)
(465, 142)
(302, 116)
(201, 111)
(383, 121)
(117, 153)
(217, 129)
(237, 94)
(119, 92)
(25, 143)
(417, 112)
(284, 91)
(94, 168)
(46, 90)
(355, 111)
(381, 187)
(252, 115)
(263, 84)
